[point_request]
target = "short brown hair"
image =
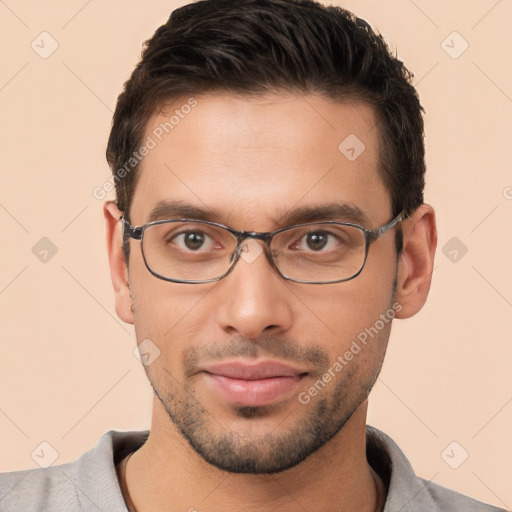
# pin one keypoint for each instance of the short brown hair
(251, 47)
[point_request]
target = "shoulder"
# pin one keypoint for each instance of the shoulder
(89, 483)
(38, 489)
(406, 491)
(452, 501)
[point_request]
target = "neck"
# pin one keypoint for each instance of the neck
(166, 474)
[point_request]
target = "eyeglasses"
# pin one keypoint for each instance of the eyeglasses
(197, 251)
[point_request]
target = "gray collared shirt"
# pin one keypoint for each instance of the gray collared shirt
(90, 483)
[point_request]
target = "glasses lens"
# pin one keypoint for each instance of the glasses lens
(323, 252)
(188, 251)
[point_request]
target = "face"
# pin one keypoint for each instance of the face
(257, 372)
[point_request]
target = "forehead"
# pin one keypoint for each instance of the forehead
(253, 159)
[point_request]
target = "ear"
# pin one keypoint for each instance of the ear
(416, 262)
(118, 269)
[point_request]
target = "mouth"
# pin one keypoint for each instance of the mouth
(255, 384)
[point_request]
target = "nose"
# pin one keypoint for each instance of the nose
(254, 300)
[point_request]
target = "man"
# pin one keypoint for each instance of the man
(269, 167)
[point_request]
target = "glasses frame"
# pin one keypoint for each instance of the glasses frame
(370, 235)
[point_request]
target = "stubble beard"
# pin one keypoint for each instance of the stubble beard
(278, 449)
(275, 450)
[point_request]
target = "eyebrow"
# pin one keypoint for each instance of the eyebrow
(344, 212)
(177, 209)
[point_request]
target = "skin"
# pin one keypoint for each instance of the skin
(250, 160)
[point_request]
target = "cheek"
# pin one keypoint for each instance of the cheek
(162, 313)
(169, 314)
(348, 317)
(344, 309)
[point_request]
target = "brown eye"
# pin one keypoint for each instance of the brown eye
(316, 241)
(193, 240)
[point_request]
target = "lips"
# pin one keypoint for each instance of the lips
(256, 371)
(254, 384)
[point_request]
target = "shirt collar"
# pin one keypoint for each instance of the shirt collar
(98, 487)
(406, 492)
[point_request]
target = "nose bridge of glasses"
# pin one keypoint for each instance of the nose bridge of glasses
(257, 235)
(243, 236)
(248, 249)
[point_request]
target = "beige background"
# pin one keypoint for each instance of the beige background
(67, 369)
